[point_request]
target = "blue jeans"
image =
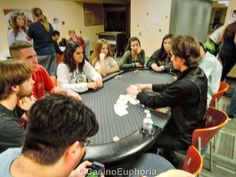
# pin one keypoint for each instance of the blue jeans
(49, 63)
(232, 107)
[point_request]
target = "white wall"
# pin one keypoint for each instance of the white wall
(70, 12)
(150, 20)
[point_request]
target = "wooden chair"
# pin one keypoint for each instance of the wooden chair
(215, 97)
(54, 80)
(193, 162)
(215, 120)
(59, 59)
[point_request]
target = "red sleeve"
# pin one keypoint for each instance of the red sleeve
(47, 80)
(81, 41)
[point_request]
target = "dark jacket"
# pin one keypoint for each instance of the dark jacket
(156, 59)
(127, 61)
(187, 98)
(57, 48)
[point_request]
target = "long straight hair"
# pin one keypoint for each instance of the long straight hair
(14, 25)
(38, 13)
(162, 54)
(97, 50)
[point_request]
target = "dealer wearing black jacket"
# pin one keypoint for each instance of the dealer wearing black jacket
(187, 98)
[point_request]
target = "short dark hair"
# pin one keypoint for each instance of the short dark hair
(188, 48)
(55, 32)
(17, 46)
(12, 73)
(69, 59)
(55, 122)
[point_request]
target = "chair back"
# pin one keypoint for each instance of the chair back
(59, 58)
(222, 89)
(215, 120)
(193, 161)
(54, 80)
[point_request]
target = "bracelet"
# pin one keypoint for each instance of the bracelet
(133, 65)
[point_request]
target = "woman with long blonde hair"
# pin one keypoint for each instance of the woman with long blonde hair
(41, 32)
(102, 59)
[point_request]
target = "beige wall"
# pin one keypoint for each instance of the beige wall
(150, 20)
(68, 11)
(231, 7)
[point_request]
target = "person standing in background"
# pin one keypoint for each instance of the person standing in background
(55, 37)
(75, 38)
(18, 29)
(228, 49)
(213, 42)
(41, 32)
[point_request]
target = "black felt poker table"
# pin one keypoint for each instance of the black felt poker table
(133, 141)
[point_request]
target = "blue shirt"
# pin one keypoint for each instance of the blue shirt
(6, 159)
(213, 69)
(43, 42)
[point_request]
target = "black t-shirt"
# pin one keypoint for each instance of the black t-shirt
(11, 133)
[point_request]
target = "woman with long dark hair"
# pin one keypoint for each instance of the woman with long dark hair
(161, 59)
(228, 50)
(75, 72)
(134, 57)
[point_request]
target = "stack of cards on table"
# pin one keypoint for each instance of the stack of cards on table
(121, 104)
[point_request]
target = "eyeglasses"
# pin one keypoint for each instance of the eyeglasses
(85, 142)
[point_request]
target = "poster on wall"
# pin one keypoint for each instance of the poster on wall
(25, 12)
(55, 23)
(233, 16)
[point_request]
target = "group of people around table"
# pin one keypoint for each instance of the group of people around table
(186, 96)
(47, 143)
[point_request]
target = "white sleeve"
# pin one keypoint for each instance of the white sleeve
(97, 65)
(216, 76)
(112, 62)
(10, 37)
(91, 73)
(64, 80)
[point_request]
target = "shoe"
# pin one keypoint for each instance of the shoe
(231, 116)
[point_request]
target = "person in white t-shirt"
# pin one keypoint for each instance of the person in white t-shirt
(212, 69)
(102, 59)
(214, 40)
(75, 72)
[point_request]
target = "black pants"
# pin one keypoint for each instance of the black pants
(228, 62)
(169, 142)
